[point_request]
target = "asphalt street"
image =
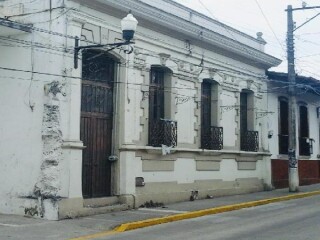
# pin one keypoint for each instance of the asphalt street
(294, 220)
(251, 223)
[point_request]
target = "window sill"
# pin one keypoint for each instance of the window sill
(285, 157)
(158, 150)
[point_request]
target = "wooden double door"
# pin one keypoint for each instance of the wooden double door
(98, 75)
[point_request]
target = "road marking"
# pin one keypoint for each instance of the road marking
(96, 235)
(101, 219)
(273, 206)
(161, 210)
(22, 225)
(194, 214)
(9, 225)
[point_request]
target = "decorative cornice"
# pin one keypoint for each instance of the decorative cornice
(192, 13)
(148, 13)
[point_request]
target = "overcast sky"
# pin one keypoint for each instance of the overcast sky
(269, 17)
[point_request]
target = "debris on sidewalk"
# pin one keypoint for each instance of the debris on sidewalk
(152, 204)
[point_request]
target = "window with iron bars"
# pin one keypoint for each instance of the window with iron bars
(283, 126)
(249, 140)
(211, 136)
(162, 131)
(304, 142)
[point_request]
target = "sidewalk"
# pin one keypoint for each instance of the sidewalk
(18, 227)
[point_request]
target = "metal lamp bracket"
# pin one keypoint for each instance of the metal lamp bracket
(105, 47)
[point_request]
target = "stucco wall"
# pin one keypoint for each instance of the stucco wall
(30, 132)
(273, 106)
(307, 165)
(36, 120)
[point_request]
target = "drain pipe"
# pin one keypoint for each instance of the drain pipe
(124, 199)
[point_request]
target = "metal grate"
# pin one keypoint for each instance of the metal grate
(212, 138)
(163, 132)
(250, 141)
(283, 144)
(304, 146)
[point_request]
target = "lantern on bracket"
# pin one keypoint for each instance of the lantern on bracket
(128, 27)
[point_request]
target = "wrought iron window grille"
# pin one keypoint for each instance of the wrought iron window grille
(163, 132)
(212, 138)
(305, 146)
(249, 141)
(283, 144)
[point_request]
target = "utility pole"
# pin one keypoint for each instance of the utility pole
(293, 162)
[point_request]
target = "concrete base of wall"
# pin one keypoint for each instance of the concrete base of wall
(78, 207)
(53, 209)
(164, 192)
(170, 192)
(309, 172)
(19, 205)
(29, 206)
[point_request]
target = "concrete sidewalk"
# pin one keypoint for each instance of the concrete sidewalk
(17, 227)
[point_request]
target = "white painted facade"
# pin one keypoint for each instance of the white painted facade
(307, 129)
(40, 105)
(312, 101)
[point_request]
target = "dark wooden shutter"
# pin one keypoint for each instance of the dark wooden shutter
(205, 113)
(96, 122)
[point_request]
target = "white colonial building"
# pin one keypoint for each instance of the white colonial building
(182, 116)
(307, 128)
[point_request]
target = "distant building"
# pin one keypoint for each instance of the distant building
(307, 128)
(183, 116)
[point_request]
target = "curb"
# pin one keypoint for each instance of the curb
(194, 214)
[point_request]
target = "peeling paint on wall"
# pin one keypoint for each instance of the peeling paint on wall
(48, 184)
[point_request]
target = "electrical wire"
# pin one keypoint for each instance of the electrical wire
(63, 50)
(34, 44)
(70, 50)
(275, 89)
(269, 25)
(73, 37)
(230, 33)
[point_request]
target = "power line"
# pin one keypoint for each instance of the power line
(232, 36)
(143, 84)
(72, 37)
(193, 96)
(71, 49)
(269, 25)
(224, 63)
(310, 55)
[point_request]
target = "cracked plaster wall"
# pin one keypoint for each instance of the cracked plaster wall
(48, 184)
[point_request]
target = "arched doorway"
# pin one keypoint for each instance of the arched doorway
(98, 77)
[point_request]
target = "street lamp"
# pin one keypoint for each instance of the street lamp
(128, 27)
